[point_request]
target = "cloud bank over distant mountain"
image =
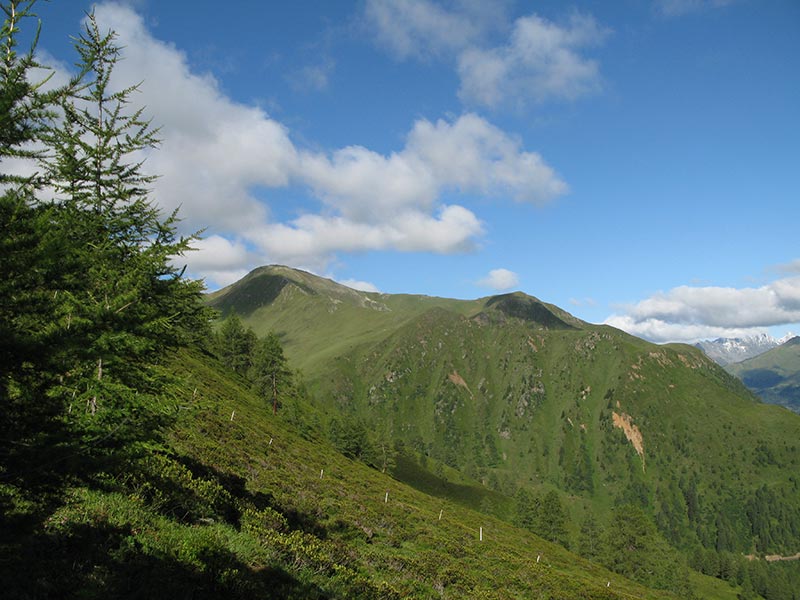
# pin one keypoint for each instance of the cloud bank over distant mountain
(688, 314)
(500, 280)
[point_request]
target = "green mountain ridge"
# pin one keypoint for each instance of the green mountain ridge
(237, 504)
(516, 393)
(774, 375)
(387, 534)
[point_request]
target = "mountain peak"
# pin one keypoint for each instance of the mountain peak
(528, 308)
(725, 351)
(265, 285)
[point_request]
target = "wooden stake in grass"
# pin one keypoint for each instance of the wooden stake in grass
(440, 514)
(233, 413)
(480, 535)
(538, 558)
(386, 498)
(270, 442)
(321, 473)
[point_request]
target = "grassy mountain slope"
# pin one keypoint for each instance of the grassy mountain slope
(775, 375)
(515, 392)
(340, 512)
(319, 319)
(236, 504)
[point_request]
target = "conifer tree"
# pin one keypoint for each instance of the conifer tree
(590, 541)
(26, 265)
(25, 104)
(90, 297)
(634, 548)
(122, 300)
(22, 110)
(527, 509)
(269, 374)
(551, 522)
(235, 345)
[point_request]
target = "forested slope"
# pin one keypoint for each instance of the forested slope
(520, 396)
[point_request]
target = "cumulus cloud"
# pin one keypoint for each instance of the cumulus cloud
(419, 28)
(473, 154)
(219, 259)
(500, 279)
(790, 267)
(541, 60)
(310, 240)
(223, 163)
(691, 313)
(362, 286)
(468, 154)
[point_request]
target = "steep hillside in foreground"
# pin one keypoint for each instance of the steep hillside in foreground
(515, 392)
(346, 521)
(235, 504)
(774, 375)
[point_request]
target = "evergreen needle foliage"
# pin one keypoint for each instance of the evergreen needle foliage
(92, 301)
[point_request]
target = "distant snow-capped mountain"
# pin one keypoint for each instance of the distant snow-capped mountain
(725, 351)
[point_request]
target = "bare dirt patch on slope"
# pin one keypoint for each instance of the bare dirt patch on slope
(625, 422)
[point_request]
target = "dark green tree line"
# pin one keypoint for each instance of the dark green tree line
(92, 300)
(633, 547)
(260, 360)
(544, 515)
(234, 345)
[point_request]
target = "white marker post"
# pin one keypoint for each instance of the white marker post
(321, 473)
(270, 442)
(233, 413)
(481, 534)
(440, 514)
(386, 498)
(538, 558)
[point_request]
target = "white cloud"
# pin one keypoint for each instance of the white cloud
(313, 78)
(310, 240)
(468, 154)
(218, 253)
(420, 28)
(541, 60)
(363, 286)
(790, 267)
(217, 259)
(690, 313)
(223, 163)
(660, 332)
(473, 154)
(500, 279)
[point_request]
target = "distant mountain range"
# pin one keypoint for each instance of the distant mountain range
(516, 393)
(726, 351)
(773, 375)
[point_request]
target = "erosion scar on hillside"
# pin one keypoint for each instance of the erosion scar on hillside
(625, 422)
(459, 381)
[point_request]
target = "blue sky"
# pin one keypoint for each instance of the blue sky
(634, 162)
